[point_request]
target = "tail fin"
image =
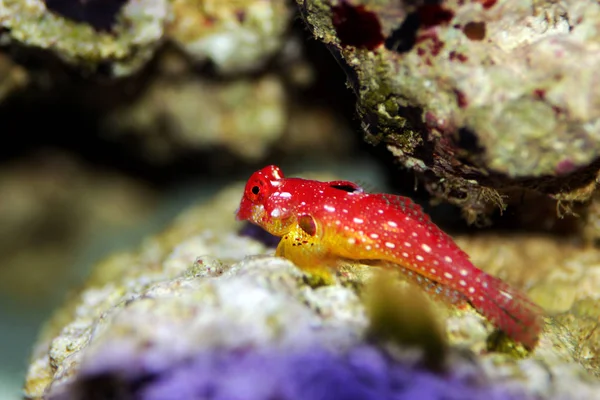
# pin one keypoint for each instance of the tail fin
(509, 310)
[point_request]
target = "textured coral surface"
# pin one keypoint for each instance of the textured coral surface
(475, 95)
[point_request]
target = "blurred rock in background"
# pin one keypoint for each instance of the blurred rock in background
(51, 206)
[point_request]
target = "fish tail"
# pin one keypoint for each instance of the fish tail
(508, 309)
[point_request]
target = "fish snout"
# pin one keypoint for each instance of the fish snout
(244, 211)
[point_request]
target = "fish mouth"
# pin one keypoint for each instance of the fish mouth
(249, 212)
(242, 215)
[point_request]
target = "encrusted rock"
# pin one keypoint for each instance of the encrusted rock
(478, 96)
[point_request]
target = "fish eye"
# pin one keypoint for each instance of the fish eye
(257, 188)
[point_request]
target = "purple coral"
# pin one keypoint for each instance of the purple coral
(250, 374)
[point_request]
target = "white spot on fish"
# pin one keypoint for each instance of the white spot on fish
(338, 222)
(432, 270)
(448, 275)
(464, 272)
(505, 294)
(392, 224)
(358, 220)
(368, 247)
(345, 211)
(426, 248)
(329, 208)
(420, 258)
(352, 241)
(285, 195)
(447, 259)
(374, 235)
(406, 244)
(415, 234)
(405, 254)
(380, 211)
(462, 282)
(390, 245)
(276, 212)
(471, 289)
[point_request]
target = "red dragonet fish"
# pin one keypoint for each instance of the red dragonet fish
(322, 223)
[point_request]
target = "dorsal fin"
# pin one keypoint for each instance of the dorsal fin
(404, 204)
(346, 186)
(414, 210)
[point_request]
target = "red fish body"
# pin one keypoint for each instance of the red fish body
(321, 223)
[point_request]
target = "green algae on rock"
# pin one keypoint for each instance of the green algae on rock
(477, 96)
(199, 285)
